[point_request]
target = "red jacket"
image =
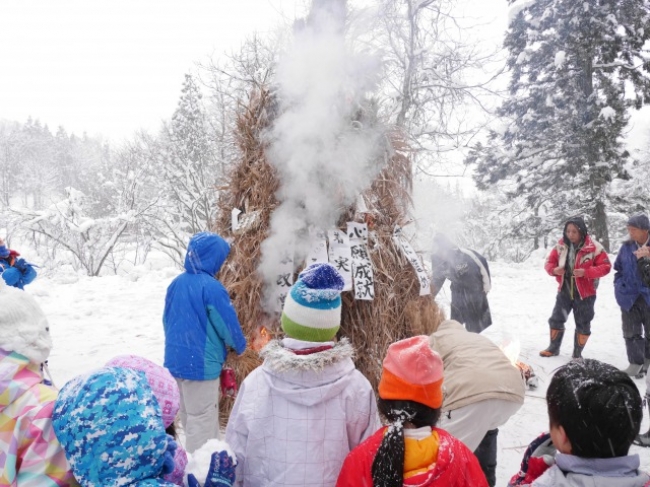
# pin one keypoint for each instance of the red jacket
(456, 465)
(591, 257)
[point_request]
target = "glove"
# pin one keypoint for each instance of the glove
(220, 474)
(643, 264)
(539, 457)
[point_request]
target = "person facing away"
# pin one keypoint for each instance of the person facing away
(633, 294)
(483, 389)
(577, 262)
(110, 425)
(200, 322)
(30, 454)
(16, 271)
(298, 415)
(469, 274)
(166, 392)
(411, 451)
(594, 415)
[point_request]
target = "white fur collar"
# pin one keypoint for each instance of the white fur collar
(280, 359)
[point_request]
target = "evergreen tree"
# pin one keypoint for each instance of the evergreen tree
(189, 168)
(576, 68)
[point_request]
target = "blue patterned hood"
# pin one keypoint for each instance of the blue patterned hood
(111, 429)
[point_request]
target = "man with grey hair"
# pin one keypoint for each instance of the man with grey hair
(633, 294)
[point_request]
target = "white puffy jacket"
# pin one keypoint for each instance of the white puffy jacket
(297, 417)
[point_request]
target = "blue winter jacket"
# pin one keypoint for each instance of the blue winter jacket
(628, 285)
(199, 319)
(16, 271)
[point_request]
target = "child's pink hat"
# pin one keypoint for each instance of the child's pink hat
(162, 383)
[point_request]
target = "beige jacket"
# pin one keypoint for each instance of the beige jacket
(475, 368)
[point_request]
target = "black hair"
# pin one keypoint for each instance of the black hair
(579, 223)
(171, 430)
(388, 465)
(598, 406)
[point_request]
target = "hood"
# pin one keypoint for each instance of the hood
(110, 426)
(206, 252)
(308, 379)
(579, 222)
(17, 375)
(23, 326)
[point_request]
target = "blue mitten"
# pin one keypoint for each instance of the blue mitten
(168, 457)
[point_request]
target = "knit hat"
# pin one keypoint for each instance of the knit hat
(23, 326)
(163, 385)
(108, 423)
(640, 221)
(412, 371)
(312, 309)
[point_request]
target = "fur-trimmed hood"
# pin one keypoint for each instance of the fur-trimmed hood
(308, 379)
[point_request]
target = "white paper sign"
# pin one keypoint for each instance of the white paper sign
(234, 219)
(317, 248)
(340, 255)
(362, 273)
(400, 241)
(283, 281)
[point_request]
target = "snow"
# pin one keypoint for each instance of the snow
(608, 113)
(92, 319)
(560, 59)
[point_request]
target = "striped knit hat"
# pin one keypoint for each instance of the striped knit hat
(412, 371)
(312, 309)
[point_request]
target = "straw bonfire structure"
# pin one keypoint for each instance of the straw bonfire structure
(397, 311)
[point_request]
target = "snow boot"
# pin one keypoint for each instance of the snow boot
(556, 341)
(633, 369)
(644, 369)
(579, 342)
(643, 439)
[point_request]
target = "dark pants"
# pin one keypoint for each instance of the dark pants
(486, 454)
(471, 308)
(583, 312)
(636, 323)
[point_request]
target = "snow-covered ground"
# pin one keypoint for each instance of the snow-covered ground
(94, 319)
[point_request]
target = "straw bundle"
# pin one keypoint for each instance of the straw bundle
(397, 310)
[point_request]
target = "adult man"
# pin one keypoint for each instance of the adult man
(576, 262)
(199, 322)
(633, 295)
(470, 279)
(483, 389)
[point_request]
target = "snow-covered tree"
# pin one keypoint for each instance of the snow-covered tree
(576, 68)
(189, 169)
(431, 75)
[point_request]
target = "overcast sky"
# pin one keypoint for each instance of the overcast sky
(111, 67)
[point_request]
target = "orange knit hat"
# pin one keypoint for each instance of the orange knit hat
(412, 371)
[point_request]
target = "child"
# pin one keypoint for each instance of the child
(165, 390)
(110, 426)
(594, 415)
(411, 451)
(16, 271)
(200, 322)
(30, 455)
(298, 415)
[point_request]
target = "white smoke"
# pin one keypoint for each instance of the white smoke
(324, 156)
